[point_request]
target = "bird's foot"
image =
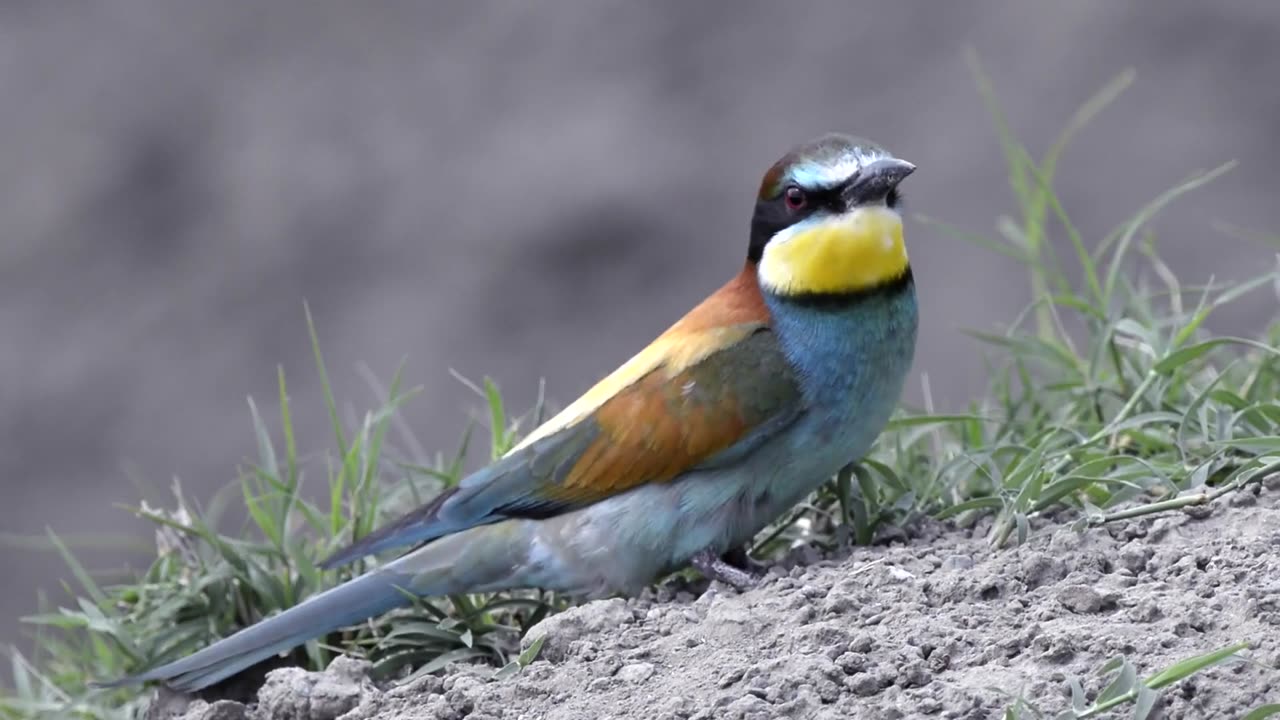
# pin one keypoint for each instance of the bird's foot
(738, 557)
(713, 567)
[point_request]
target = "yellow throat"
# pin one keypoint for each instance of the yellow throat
(847, 253)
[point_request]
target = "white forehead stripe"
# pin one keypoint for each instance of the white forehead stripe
(825, 175)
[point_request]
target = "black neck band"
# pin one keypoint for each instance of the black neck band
(887, 289)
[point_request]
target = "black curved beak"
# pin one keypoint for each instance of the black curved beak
(872, 183)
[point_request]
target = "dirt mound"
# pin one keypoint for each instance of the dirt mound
(925, 627)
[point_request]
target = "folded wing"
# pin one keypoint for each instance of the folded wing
(704, 392)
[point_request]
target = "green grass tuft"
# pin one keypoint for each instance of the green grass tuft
(1109, 399)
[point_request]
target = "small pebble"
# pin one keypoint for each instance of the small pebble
(1081, 599)
(636, 673)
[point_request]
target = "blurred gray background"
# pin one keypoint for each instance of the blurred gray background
(519, 192)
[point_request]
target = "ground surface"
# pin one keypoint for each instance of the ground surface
(922, 627)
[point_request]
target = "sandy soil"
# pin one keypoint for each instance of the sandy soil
(926, 625)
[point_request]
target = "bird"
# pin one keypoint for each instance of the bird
(738, 411)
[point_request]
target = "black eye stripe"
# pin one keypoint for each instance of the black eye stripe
(828, 199)
(772, 214)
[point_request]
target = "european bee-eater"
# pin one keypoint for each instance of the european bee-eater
(680, 456)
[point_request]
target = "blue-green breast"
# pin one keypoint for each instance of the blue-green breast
(851, 355)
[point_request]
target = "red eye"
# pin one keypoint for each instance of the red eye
(794, 198)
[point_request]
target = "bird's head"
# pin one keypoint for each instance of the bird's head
(826, 220)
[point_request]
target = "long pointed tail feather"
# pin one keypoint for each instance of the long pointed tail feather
(489, 557)
(366, 596)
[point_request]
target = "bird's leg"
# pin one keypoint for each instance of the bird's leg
(713, 567)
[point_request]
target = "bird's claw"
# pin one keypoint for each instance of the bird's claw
(714, 567)
(738, 557)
